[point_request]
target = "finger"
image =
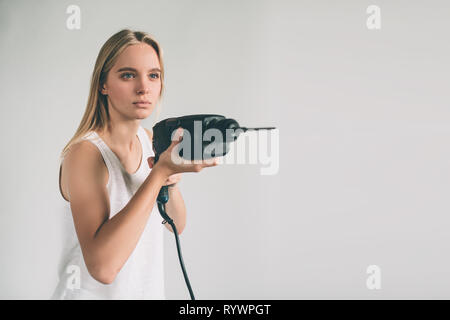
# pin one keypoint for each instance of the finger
(151, 161)
(177, 135)
(174, 143)
(175, 179)
(169, 182)
(178, 176)
(210, 162)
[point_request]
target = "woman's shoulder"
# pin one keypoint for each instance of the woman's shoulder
(83, 156)
(83, 149)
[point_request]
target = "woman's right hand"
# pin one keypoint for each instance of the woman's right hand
(171, 163)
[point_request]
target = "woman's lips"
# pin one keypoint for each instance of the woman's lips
(142, 104)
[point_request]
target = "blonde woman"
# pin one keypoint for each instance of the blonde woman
(113, 247)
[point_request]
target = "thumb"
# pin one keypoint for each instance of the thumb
(151, 161)
(177, 136)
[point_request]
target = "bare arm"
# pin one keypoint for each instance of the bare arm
(118, 236)
(106, 243)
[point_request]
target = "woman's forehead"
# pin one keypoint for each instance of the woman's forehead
(138, 56)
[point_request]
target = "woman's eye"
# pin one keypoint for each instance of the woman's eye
(152, 75)
(126, 74)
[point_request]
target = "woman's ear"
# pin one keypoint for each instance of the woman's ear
(103, 90)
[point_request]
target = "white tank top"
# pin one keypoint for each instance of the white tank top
(142, 276)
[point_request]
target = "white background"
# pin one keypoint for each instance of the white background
(364, 123)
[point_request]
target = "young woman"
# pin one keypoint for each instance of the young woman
(114, 232)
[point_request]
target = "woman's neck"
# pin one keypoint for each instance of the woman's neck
(121, 135)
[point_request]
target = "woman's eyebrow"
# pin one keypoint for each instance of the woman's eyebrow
(132, 69)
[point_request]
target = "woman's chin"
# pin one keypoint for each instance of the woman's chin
(147, 111)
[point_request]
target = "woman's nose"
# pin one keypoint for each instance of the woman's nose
(142, 91)
(143, 86)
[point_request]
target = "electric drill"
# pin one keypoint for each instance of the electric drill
(224, 131)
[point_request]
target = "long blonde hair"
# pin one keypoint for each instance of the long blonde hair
(96, 115)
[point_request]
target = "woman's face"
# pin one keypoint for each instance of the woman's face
(136, 76)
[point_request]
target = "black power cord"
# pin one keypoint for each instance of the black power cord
(162, 199)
